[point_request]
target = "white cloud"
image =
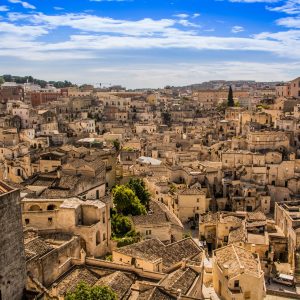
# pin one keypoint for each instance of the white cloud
(196, 15)
(4, 8)
(58, 8)
(23, 3)
(29, 32)
(92, 23)
(187, 23)
(94, 34)
(237, 29)
(182, 16)
(290, 22)
(289, 7)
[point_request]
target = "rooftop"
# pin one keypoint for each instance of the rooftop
(237, 260)
(182, 279)
(153, 250)
(4, 188)
(159, 214)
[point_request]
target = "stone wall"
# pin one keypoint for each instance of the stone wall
(12, 256)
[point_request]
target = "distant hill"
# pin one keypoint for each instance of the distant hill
(42, 83)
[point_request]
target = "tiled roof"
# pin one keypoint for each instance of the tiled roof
(159, 215)
(155, 293)
(73, 278)
(181, 279)
(154, 249)
(4, 188)
(232, 219)
(38, 247)
(256, 216)
(237, 260)
(192, 191)
(237, 235)
(117, 281)
(209, 218)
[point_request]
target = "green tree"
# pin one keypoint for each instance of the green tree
(120, 225)
(116, 144)
(1, 80)
(85, 292)
(139, 188)
(126, 201)
(230, 101)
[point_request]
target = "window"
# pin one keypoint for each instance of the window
(26, 221)
(98, 238)
(225, 239)
(236, 283)
(97, 194)
(49, 221)
(148, 232)
(103, 217)
(51, 207)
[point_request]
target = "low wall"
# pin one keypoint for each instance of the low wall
(111, 265)
(283, 294)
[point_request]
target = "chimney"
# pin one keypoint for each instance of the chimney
(183, 263)
(58, 172)
(225, 270)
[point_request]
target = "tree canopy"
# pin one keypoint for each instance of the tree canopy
(126, 201)
(120, 225)
(42, 83)
(230, 101)
(85, 292)
(139, 188)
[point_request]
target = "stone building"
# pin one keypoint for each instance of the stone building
(158, 223)
(152, 255)
(237, 274)
(12, 255)
(88, 219)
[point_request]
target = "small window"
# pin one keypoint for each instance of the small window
(26, 221)
(49, 221)
(236, 283)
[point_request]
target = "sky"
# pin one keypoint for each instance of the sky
(150, 43)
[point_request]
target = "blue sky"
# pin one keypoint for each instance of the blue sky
(141, 43)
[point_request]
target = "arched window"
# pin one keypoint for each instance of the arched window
(51, 207)
(35, 207)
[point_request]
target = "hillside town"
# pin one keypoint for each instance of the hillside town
(150, 194)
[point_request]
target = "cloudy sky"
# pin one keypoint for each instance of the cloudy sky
(150, 43)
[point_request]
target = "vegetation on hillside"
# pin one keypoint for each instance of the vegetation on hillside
(42, 83)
